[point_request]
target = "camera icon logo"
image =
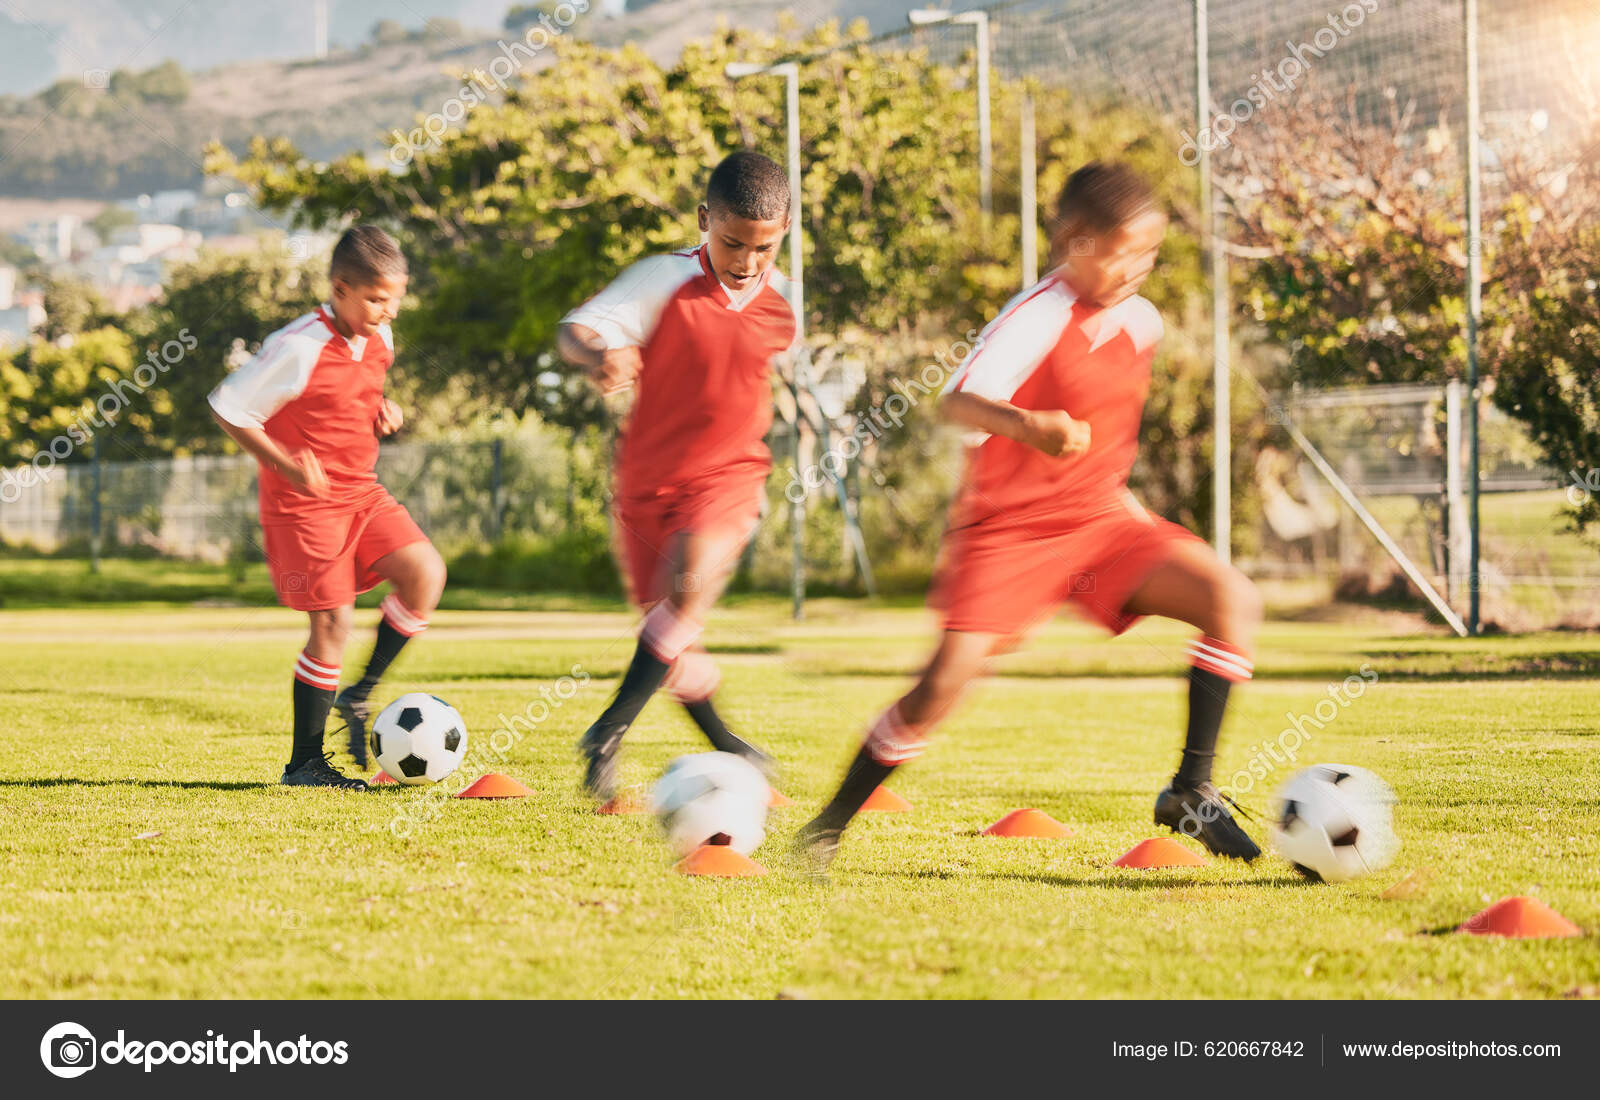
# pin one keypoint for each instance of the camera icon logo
(68, 1050)
(96, 79)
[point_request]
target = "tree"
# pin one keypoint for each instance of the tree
(387, 32)
(71, 306)
(1362, 259)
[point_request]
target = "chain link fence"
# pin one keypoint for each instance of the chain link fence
(1399, 63)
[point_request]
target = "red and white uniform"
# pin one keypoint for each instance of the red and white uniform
(692, 456)
(1029, 532)
(311, 389)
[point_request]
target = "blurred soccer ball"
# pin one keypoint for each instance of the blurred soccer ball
(1335, 822)
(419, 739)
(711, 798)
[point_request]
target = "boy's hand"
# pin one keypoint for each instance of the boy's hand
(1056, 434)
(616, 370)
(307, 474)
(389, 418)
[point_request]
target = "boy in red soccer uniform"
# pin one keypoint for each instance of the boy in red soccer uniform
(310, 408)
(695, 332)
(1054, 391)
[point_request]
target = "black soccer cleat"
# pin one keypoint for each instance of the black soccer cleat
(815, 845)
(356, 711)
(600, 746)
(320, 772)
(1201, 811)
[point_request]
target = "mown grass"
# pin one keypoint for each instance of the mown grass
(141, 721)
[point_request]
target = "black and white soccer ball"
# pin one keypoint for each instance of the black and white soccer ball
(711, 798)
(1335, 822)
(419, 738)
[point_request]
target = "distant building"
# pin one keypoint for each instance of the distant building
(8, 286)
(52, 239)
(19, 322)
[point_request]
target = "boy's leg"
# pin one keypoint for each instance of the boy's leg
(693, 681)
(900, 734)
(1193, 586)
(316, 675)
(416, 574)
(701, 565)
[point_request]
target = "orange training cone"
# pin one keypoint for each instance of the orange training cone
(621, 804)
(1028, 823)
(1160, 852)
(718, 861)
(776, 798)
(495, 785)
(382, 777)
(886, 801)
(1522, 918)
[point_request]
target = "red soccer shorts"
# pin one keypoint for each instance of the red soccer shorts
(1007, 581)
(324, 562)
(646, 526)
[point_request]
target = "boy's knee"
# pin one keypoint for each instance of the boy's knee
(1242, 598)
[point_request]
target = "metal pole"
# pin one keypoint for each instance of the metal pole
(97, 534)
(494, 490)
(1211, 233)
(1474, 308)
(797, 508)
(1455, 504)
(985, 146)
(1030, 196)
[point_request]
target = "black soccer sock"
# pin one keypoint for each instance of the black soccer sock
(721, 737)
(864, 776)
(385, 649)
(643, 677)
(1216, 668)
(397, 627)
(314, 684)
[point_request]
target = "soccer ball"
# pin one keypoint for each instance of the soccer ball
(711, 798)
(1335, 823)
(419, 739)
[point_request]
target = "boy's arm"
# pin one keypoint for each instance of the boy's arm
(1051, 431)
(612, 370)
(1008, 351)
(245, 400)
(301, 467)
(604, 334)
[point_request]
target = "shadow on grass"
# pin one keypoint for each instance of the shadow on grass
(1155, 880)
(182, 784)
(1469, 666)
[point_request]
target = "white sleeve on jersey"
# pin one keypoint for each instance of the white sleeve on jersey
(277, 374)
(1013, 345)
(625, 313)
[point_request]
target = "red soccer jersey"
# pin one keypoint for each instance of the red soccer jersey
(311, 389)
(704, 400)
(1046, 350)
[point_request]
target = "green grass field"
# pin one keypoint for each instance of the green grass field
(147, 851)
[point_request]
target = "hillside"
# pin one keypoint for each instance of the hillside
(77, 140)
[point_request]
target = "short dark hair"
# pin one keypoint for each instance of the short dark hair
(749, 185)
(366, 254)
(1099, 197)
